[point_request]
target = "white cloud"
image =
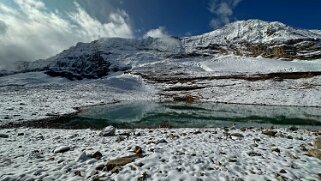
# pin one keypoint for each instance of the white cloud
(223, 11)
(165, 41)
(31, 31)
(159, 32)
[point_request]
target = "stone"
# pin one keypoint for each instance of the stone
(40, 137)
(115, 170)
(293, 128)
(78, 173)
(138, 150)
(276, 150)
(269, 133)
(4, 136)
(238, 135)
(232, 160)
(36, 154)
(73, 136)
(314, 153)
(143, 177)
(293, 157)
(243, 129)
(197, 132)
(303, 148)
(317, 143)
(100, 166)
(256, 140)
(21, 134)
(282, 171)
(108, 131)
(161, 141)
(120, 139)
(281, 178)
(252, 153)
(172, 136)
(88, 155)
(97, 155)
(119, 162)
(62, 149)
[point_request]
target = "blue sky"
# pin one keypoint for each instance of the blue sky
(192, 16)
(184, 17)
(26, 26)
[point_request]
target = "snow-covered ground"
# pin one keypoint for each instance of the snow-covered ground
(35, 95)
(168, 154)
(236, 64)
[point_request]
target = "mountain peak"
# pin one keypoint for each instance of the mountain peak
(255, 31)
(258, 38)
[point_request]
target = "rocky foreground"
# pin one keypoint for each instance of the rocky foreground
(160, 154)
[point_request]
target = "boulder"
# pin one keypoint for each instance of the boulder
(108, 131)
(62, 149)
(137, 149)
(119, 162)
(314, 153)
(317, 143)
(4, 136)
(86, 155)
(269, 133)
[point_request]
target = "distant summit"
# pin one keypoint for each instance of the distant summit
(259, 38)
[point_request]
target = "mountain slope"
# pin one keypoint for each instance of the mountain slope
(102, 57)
(251, 38)
(258, 38)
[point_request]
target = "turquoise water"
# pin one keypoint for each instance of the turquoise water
(154, 115)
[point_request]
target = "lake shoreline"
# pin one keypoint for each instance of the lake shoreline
(58, 121)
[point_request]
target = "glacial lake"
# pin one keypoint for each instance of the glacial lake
(181, 115)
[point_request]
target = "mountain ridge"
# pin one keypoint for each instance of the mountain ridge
(249, 38)
(259, 38)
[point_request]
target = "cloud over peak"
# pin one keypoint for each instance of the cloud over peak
(223, 11)
(31, 31)
(159, 32)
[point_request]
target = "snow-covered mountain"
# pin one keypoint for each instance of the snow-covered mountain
(104, 56)
(250, 38)
(258, 38)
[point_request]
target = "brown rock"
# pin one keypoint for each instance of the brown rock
(314, 153)
(269, 133)
(317, 143)
(119, 162)
(96, 155)
(138, 150)
(243, 129)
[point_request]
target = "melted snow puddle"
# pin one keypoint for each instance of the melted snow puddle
(206, 115)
